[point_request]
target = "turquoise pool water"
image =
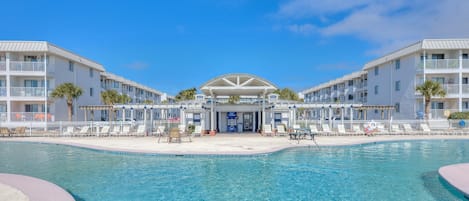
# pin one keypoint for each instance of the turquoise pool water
(383, 171)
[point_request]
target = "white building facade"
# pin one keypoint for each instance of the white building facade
(31, 70)
(392, 79)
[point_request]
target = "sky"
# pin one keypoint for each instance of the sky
(180, 44)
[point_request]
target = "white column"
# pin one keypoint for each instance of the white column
(212, 115)
(8, 87)
(460, 82)
(424, 78)
(330, 117)
(46, 92)
(254, 125)
(351, 117)
(263, 109)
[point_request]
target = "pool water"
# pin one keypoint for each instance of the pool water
(383, 171)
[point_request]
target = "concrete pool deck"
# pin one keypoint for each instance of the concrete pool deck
(221, 144)
(457, 175)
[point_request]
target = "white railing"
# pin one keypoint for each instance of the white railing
(3, 66)
(30, 116)
(3, 91)
(441, 113)
(465, 88)
(27, 66)
(27, 91)
(451, 88)
(465, 63)
(439, 64)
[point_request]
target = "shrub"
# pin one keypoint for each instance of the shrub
(459, 115)
(191, 128)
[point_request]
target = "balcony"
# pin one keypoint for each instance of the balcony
(27, 66)
(31, 116)
(3, 66)
(441, 113)
(3, 91)
(439, 64)
(451, 89)
(465, 89)
(465, 63)
(27, 91)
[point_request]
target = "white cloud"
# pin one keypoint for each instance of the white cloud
(304, 29)
(388, 24)
(137, 65)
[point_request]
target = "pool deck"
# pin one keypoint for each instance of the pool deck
(221, 144)
(20, 187)
(457, 175)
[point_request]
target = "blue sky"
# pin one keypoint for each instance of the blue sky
(178, 44)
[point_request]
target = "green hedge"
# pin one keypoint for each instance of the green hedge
(459, 115)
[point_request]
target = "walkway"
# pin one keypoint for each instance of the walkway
(457, 175)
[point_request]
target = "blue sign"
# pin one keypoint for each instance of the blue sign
(231, 115)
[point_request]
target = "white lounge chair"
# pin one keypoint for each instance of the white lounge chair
(408, 129)
(425, 128)
(326, 129)
(281, 131)
(267, 130)
(182, 128)
(395, 128)
(356, 129)
(313, 128)
(160, 132)
(115, 130)
(85, 130)
(125, 130)
(68, 131)
(105, 130)
(296, 127)
(140, 130)
(197, 131)
(341, 129)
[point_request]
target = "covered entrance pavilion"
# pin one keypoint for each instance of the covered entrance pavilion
(235, 102)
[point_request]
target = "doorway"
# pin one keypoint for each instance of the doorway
(247, 122)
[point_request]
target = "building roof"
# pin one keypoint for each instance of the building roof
(426, 44)
(336, 81)
(43, 46)
(111, 76)
(237, 84)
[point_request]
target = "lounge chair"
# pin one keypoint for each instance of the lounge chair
(19, 131)
(182, 128)
(326, 129)
(296, 127)
(408, 129)
(84, 131)
(105, 130)
(313, 128)
(160, 132)
(267, 130)
(341, 129)
(125, 130)
(425, 128)
(174, 134)
(140, 130)
(281, 131)
(197, 131)
(69, 131)
(4, 131)
(356, 129)
(115, 130)
(395, 129)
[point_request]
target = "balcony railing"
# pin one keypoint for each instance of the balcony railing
(3, 66)
(27, 91)
(465, 88)
(31, 116)
(441, 113)
(465, 63)
(451, 88)
(440, 64)
(27, 66)
(3, 91)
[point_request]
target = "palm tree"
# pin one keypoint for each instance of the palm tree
(70, 92)
(111, 97)
(429, 89)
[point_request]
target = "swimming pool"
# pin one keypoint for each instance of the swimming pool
(383, 171)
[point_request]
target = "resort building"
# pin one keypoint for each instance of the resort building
(30, 70)
(392, 79)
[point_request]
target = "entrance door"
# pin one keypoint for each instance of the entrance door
(247, 122)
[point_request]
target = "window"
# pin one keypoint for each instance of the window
(376, 70)
(376, 89)
(397, 85)
(31, 83)
(440, 80)
(70, 66)
(397, 106)
(438, 56)
(350, 83)
(465, 56)
(30, 58)
(350, 97)
(465, 80)
(31, 108)
(465, 105)
(91, 91)
(91, 72)
(335, 87)
(398, 64)
(437, 105)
